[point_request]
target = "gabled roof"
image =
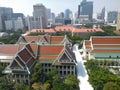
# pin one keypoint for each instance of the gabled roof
(42, 38)
(28, 39)
(23, 61)
(31, 38)
(52, 53)
(87, 44)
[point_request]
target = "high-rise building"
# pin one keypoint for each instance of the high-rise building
(112, 17)
(48, 14)
(103, 14)
(5, 14)
(68, 14)
(118, 22)
(86, 8)
(40, 14)
(14, 24)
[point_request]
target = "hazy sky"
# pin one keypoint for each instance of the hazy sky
(26, 6)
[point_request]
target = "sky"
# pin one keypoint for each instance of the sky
(57, 6)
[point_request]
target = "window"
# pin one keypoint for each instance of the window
(109, 56)
(117, 56)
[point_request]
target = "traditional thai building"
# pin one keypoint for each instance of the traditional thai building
(20, 67)
(50, 51)
(102, 47)
(59, 57)
(7, 52)
(105, 48)
(45, 39)
(71, 30)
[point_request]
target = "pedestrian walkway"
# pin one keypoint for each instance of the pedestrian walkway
(81, 71)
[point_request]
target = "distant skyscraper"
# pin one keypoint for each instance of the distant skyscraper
(5, 14)
(86, 8)
(68, 14)
(103, 14)
(118, 22)
(112, 17)
(48, 14)
(17, 15)
(40, 13)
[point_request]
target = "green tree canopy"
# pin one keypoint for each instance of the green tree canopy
(111, 86)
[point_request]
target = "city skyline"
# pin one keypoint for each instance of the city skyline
(26, 6)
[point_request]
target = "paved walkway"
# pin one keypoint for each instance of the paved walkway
(81, 71)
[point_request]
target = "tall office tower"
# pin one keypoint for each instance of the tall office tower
(68, 14)
(118, 22)
(103, 14)
(86, 8)
(48, 14)
(40, 15)
(53, 17)
(5, 14)
(112, 17)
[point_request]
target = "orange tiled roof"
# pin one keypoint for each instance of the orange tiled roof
(31, 38)
(32, 47)
(67, 29)
(49, 53)
(85, 30)
(50, 49)
(106, 40)
(106, 46)
(57, 39)
(9, 49)
(88, 44)
(105, 51)
(54, 39)
(42, 31)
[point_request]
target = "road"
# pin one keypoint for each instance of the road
(81, 71)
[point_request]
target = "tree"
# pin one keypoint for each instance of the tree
(46, 86)
(72, 82)
(89, 25)
(56, 80)
(4, 84)
(99, 76)
(37, 75)
(37, 86)
(21, 86)
(61, 86)
(111, 86)
(109, 30)
(52, 73)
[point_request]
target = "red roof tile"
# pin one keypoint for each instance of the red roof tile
(9, 49)
(57, 38)
(50, 49)
(105, 51)
(106, 40)
(106, 46)
(67, 29)
(32, 47)
(31, 38)
(88, 44)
